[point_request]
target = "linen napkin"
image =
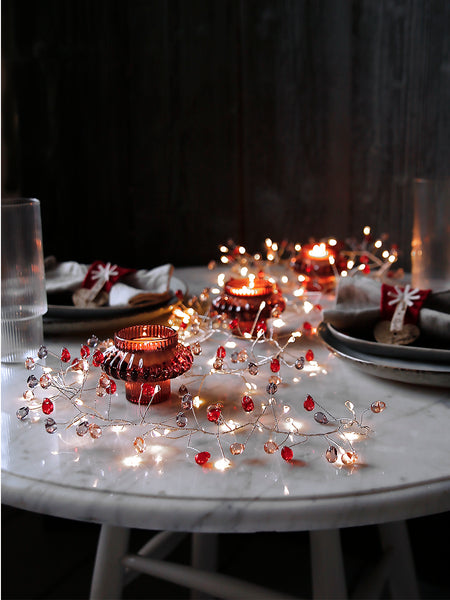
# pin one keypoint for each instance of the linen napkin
(139, 288)
(358, 308)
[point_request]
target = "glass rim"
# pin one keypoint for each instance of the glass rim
(9, 202)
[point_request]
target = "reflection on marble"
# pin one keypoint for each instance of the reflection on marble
(404, 471)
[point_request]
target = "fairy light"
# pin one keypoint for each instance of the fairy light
(378, 244)
(392, 258)
(224, 259)
(275, 247)
(224, 249)
(174, 427)
(332, 242)
(350, 264)
(366, 230)
(268, 242)
(132, 461)
(297, 247)
(242, 250)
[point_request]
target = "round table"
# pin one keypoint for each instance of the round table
(403, 470)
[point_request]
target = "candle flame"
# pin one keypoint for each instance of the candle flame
(318, 251)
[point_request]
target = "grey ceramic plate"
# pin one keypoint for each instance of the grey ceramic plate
(406, 352)
(73, 313)
(396, 369)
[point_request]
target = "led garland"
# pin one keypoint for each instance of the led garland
(70, 383)
(369, 256)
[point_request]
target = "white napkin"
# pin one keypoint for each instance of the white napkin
(142, 288)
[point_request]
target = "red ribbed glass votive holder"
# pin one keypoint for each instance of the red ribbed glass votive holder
(313, 262)
(241, 300)
(144, 356)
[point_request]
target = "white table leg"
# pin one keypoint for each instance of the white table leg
(402, 575)
(327, 565)
(108, 570)
(204, 557)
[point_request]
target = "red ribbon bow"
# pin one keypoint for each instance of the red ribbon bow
(391, 296)
(110, 274)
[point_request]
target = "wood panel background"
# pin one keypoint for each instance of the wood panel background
(154, 130)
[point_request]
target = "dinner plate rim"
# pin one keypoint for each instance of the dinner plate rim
(71, 313)
(430, 374)
(414, 353)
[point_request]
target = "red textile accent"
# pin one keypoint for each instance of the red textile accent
(90, 280)
(412, 312)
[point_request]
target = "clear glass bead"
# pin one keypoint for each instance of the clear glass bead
(182, 390)
(218, 364)
(28, 395)
(42, 352)
(30, 364)
(253, 368)
(22, 413)
(181, 420)
(237, 448)
(300, 363)
(45, 381)
(234, 357)
(196, 348)
(100, 391)
(270, 447)
(139, 444)
(349, 458)
(377, 406)
(242, 356)
(92, 341)
(32, 382)
(95, 431)
(82, 428)
(331, 454)
(321, 418)
(271, 388)
(50, 425)
(187, 402)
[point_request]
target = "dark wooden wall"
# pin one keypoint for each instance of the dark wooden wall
(154, 130)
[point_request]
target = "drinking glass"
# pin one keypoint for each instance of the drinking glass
(430, 247)
(24, 299)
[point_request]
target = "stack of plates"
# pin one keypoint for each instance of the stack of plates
(410, 364)
(107, 319)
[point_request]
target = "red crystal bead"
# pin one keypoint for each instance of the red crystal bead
(317, 307)
(234, 324)
(213, 414)
(261, 326)
(65, 355)
(179, 294)
(275, 365)
(307, 326)
(111, 389)
(286, 453)
(98, 358)
(309, 355)
(366, 269)
(247, 403)
(202, 458)
(309, 403)
(221, 352)
(47, 406)
(85, 351)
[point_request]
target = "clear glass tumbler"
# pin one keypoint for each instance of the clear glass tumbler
(430, 247)
(24, 299)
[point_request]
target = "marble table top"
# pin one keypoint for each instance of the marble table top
(403, 471)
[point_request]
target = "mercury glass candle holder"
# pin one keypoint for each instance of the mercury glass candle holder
(314, 263)
(144, 356)
(242, 299)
